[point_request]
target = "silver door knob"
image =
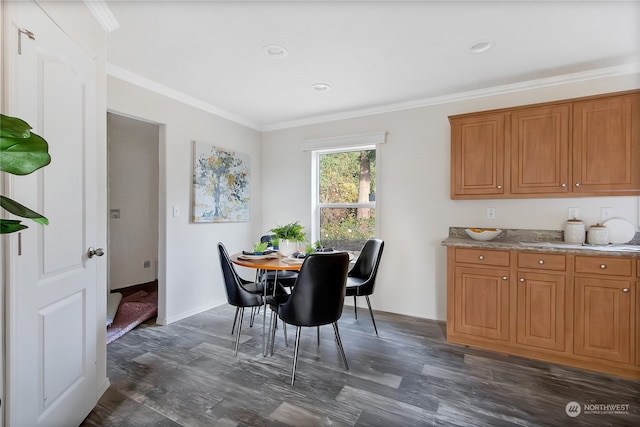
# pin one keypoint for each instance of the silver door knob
(91, 252)
(522, 279)
(625, 290)
(578, 184)
(564, 185)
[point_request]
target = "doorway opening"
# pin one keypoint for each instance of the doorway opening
(133, 157)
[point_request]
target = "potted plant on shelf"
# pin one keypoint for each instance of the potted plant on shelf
(289, 236)
(21, 153)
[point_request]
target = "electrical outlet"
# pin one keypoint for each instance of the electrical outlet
(606, 213)
(573, 213)
(147, 264)
(491, 213)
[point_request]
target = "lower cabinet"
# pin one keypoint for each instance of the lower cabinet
(540, 310)
(603, 322)
(575, 310)
(482, 302)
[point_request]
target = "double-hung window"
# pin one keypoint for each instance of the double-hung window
(344, 195)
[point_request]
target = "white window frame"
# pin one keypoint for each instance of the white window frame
(318, 147)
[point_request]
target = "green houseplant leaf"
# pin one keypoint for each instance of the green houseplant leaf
(11, 226)
(292, 231)
(14, 127)
(21, 153)
(22, 211)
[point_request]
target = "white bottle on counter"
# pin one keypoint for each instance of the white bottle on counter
(574, 231)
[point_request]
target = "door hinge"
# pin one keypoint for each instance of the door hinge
(27, 33)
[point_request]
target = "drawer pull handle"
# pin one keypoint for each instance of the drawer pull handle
(522, 279)
(603, 266)
(564, 185)
(541, 262)
(625, 290)
(578, 184)
(504, 277)
(499, 187)
(481, 257)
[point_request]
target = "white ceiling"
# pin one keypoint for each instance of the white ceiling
(375, 55)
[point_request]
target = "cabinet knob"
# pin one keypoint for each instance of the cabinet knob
(522, 279)
(625, 290)
(499, 187)
(603, 266)
(504, 277)
(564, 185)
(481, 257)
(541, 262)
(578, 184)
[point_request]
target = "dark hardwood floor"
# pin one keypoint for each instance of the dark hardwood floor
(185, 374)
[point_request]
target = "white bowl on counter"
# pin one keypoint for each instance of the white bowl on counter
(483, 234)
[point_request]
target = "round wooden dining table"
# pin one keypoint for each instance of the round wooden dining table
(275, 262)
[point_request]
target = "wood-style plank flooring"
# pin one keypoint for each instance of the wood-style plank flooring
(185, 374)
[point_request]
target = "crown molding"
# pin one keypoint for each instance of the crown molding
(128, 76)
(103, 14)
(464, 96)
(143, 82)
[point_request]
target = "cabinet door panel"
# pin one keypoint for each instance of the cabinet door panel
(603, 323)
(540, 150)
(541, 310)
(482, 302)
(477, 155)
(606, 146)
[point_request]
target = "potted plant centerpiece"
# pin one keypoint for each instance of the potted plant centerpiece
(289, 236)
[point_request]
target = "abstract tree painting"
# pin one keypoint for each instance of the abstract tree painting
(220, 184)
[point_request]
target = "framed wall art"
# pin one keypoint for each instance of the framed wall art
(220, 184)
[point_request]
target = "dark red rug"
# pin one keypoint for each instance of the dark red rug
(133, 310)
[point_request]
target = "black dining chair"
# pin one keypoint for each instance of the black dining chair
(240, 293)
(316, 299)
(361, 280)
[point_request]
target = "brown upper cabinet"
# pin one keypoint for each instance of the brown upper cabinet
(572, 148)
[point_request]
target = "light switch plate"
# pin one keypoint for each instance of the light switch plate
(176, 210)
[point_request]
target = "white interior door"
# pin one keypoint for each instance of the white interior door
(51, 299)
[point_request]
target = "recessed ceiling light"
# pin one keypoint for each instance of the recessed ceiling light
(321, 87)
(275, 51)
(481, 46)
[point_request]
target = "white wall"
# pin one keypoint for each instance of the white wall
(189, 276)
(133, 192)
(414, 207)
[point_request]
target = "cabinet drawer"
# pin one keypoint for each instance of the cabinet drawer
(482, 257)
(542, 261)
(604, 265)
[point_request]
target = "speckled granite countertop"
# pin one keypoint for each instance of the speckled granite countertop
(549, 241)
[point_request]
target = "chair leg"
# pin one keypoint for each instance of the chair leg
(339, 343)
(284, 330)
(253, 317)
(235, 353)
(355, 307)
(318, 335)
(371, 312)
(235, 318)
(273, 322)
(295, 354)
